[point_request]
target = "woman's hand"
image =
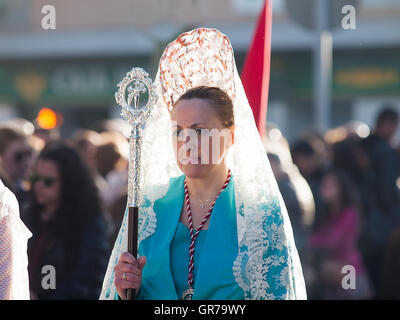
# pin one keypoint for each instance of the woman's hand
(128, 273)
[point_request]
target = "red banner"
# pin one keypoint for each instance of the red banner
(255, 73)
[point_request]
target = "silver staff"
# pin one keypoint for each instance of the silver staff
(133, 85)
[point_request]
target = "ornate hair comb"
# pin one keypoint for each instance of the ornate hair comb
(199, 57)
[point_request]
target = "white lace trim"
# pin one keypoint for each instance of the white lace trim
(19, 235)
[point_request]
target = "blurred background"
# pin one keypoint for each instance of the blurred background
(332, 127)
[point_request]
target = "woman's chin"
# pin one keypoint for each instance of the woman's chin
(195, 170)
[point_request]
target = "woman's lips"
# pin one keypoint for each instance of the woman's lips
(191, 160)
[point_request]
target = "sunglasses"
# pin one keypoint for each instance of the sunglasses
(22, 155)
(47, 181)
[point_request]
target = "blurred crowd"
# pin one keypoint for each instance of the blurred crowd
(72, 197)
(341, 190)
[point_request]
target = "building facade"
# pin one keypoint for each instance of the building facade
(75, 67)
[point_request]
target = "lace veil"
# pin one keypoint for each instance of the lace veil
(266, 245)
(14, 280)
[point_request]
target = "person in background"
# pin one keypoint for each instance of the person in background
(335, 240)
(349, 156)
(390, 278)
(15, 161)
(112, 153)
(111, 160)
(68, 226)
(385, 163)
(311, 167)
(385, 167)
(119, 125)
(86, 142)
(47, 135)
(112, 164)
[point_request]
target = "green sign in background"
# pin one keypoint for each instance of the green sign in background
(91, 82)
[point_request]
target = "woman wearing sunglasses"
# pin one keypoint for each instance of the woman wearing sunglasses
(69, 230)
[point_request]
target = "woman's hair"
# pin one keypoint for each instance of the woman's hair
(387, 115)
(111, 152)
(349, 193)
(79, 200)
(218, 99)
(8, 135)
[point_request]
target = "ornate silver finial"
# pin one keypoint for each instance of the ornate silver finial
(135, 83)
(132, 86)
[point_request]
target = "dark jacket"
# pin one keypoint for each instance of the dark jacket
(386, 167)
(79, 267)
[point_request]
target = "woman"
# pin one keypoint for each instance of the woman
(14, 283)
(69, 230)
(220, 229)
(335, 240)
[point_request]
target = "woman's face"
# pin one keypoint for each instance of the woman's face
(330, 188)
(199, 138)
(46, 183)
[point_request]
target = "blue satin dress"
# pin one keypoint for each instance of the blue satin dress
(164, 276)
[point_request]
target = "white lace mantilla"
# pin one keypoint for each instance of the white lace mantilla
(267, 265)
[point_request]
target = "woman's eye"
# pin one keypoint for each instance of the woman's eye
(177, 132)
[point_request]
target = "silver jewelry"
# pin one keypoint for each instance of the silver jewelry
(201, 201)
(188, 294)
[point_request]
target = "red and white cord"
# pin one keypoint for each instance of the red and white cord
(193, 236)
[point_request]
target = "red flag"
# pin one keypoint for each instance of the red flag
(255, 73)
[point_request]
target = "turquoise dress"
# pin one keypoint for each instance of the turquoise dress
(180, 256)
(164, 276)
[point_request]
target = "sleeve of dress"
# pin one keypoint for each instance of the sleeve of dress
(5, 259)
